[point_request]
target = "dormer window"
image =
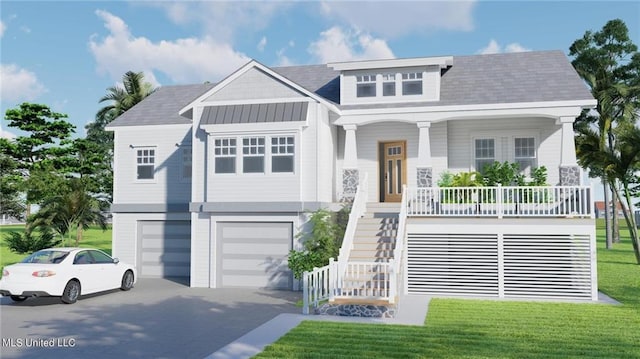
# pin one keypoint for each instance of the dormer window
(388, 85)
(366, 85)
(412, 83)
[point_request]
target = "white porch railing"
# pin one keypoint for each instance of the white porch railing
(326, 283)
(543, 201)
(358, 209)
(396, 263)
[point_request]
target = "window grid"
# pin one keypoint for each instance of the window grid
(253, 155)
(525, 153)
(388, 85)
(484, 153)
(145, 159)
(225, 155)
(412, 83)
(282, 154)
(186, 162)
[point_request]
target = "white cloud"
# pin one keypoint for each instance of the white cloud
(188, 60)
(337, 44)
(222, 20)
(262, 44)
(25, 29)
(394, 19)
(494, 48)
(2, 28)
(19, 84)
(6, 134)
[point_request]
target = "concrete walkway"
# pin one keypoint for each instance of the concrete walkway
(412, 311)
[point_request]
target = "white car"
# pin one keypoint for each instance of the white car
(65, 273)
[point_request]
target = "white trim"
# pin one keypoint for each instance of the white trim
(448, 113)
(256, 101)
(442, 61)
(254, 127)
(242, 70)
(142, 127)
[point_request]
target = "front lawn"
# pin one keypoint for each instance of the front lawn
(93, 237)
(457, 328)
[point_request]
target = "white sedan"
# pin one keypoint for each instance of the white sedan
(65, 273)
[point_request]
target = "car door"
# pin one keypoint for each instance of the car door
(108, 273)
(86, 271)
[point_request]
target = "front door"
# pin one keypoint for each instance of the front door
(394, 175)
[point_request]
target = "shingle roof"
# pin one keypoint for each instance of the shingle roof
(537, 76)
(162, 106)
(505, 78)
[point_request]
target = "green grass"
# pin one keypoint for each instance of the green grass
(456, 328)
(93, 237)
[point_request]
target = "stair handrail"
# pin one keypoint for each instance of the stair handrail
(358, 209)
(398, 250)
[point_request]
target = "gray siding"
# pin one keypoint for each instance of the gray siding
(253, 85)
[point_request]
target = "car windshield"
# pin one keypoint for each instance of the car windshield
(46, 256)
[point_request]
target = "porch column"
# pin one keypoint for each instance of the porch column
(424, 165)
(350, 177)
(569, 169)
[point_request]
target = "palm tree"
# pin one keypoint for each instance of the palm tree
(74, 208)
(123, 98)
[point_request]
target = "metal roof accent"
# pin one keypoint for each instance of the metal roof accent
(255, 113)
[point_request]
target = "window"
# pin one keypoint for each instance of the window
(146, 159)
(412, 83)
(253, 155)
(225, 155)
(485, 153)
(186, 162)
(366, 86)
(99, 257)
(282, 151)
(388, 85)
(525, 153)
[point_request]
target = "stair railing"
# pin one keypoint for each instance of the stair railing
(358, 209)
(395, 280)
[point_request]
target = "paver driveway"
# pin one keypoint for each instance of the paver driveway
(159, 318)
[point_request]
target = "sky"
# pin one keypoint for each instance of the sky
(66, 54)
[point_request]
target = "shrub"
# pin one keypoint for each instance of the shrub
(27, 242)
(505, 173)
(322, 243)
(446, 179)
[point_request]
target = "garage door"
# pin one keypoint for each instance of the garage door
(254, 254)
(165, 248)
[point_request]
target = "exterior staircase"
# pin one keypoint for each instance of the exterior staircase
(374, 242)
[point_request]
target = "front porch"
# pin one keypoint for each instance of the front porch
(503, 242)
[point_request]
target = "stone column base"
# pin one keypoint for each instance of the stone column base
(425, 177)
(350, 180)
(569, 175)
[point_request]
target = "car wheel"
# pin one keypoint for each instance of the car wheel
(18, 298)
(71, 292)
(127, 280)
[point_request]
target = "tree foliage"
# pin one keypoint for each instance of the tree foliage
(322, 243)
(609, 62)
(28, 242)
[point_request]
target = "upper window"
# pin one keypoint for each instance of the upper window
(412, 83)
(282, 154)
(485, 153)
(186, 162)
(525, 153)
(146, 159)
(100, 257)
(366, 86)
(225, 155)
(388, 85)
(253, 155)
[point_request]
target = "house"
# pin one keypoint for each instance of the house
(600, 209)
(215, 181)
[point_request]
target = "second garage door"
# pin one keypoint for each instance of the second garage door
(165, 248)
(254, 254)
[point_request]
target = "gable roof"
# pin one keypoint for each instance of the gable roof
(536, 76)
(525, 77)
(161, 107)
